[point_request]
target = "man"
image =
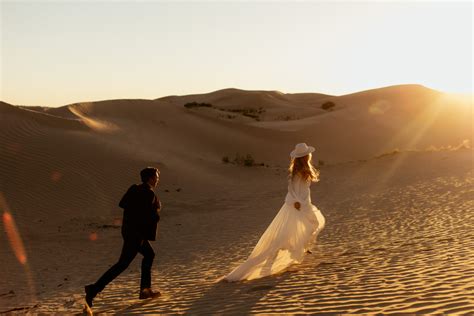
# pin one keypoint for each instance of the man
(140, 220)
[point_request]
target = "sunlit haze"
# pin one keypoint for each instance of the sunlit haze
(57, 53)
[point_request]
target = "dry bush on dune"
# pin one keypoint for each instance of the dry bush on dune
(328, 106)
(247, 160)
(287, 118)
(249, 112)
(191, 105)
(390, 153)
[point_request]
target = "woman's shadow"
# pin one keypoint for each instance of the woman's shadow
(234, 297)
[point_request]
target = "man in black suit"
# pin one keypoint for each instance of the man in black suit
(140, 219)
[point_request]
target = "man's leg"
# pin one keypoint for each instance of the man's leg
(129, 251)
(148, 255)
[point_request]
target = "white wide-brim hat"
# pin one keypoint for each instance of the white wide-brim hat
(301, 150)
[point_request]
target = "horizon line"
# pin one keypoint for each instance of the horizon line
(465, 94)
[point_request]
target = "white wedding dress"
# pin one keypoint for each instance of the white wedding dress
(286, 239)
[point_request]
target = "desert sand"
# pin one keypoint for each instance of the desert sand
(397, 191)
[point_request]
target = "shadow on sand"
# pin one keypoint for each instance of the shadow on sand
(234, 297)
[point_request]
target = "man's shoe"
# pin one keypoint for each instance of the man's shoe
(90, 294)
(148, 293)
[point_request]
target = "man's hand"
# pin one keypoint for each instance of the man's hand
(297, 205)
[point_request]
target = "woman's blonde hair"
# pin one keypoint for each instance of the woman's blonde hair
(303, 167)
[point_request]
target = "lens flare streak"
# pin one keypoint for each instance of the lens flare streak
(12, 232)
(17, 246)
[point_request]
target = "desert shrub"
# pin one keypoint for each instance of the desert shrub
(389, 153)
(286, 118)
(241, 160)
(249, 112)
(249, 161)
(197, 105)
(328, 105)
(238, 160)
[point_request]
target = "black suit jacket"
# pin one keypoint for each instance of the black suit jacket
(140, 212)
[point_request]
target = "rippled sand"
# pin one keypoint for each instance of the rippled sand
(398, 245)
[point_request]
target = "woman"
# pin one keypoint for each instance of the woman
(295, 226)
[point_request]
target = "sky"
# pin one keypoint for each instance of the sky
(54, 53)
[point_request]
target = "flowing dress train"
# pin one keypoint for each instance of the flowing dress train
(287, 238)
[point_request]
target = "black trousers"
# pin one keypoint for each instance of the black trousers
(129, 251)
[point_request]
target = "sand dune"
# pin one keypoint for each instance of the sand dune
(267, 105)
(398, 236)
(364, 124)
(36, 117)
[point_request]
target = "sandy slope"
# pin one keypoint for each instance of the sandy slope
(276, 105)
(398, 237)
(403, 245)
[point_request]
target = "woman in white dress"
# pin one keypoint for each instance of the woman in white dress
(293, 229)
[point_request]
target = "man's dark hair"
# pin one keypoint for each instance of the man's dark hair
(147, 173)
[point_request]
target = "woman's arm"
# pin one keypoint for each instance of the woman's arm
(302, 193)
(298, 193)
